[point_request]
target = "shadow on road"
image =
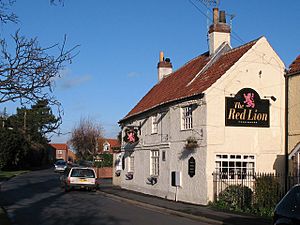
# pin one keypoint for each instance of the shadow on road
(37, 199)
(244, 220)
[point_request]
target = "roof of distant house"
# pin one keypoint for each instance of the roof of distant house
(59, 146)
(295, 66)
(112, 142)
(190, 80)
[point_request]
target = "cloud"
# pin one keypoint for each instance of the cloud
(69, 80)
(75, 81)
(134, 74)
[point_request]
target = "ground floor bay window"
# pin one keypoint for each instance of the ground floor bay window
(235, 166)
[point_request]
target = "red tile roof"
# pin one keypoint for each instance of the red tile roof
(59, 146)
(295, 66)
(189, 80)
(113, 142)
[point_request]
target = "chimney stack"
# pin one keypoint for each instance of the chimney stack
(219, 31)
(164, 66)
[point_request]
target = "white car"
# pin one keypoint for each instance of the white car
(79, 178)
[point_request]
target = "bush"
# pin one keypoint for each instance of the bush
(13, 150)
(266, 196)
(235, 198)
(106, 161)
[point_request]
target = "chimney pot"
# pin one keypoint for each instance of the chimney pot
(222, 17)
(215, 16)
(161, 56)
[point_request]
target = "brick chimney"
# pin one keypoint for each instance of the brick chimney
(219, 31)
(164, 67)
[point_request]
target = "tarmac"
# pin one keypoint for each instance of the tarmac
(191, 211)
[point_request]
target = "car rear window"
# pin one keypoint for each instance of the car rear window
(88, 173)
(61, 163)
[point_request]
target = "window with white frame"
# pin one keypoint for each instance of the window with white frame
(154, 163)
(187, 118)
(131, 163)
(235, 166)
(154, 124)
(106, 147)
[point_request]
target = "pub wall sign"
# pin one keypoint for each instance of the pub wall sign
(130, 135)
(247, 109)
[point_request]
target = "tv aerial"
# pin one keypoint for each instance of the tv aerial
(210, 3)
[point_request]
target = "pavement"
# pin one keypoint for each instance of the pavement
(191, 211)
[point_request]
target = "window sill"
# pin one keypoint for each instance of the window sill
(186, 129)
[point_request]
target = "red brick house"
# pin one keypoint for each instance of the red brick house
(107, 146)
(63, 152)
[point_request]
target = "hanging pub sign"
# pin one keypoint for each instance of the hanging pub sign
(131, 135)
(247, 109)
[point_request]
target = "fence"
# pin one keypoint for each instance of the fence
(104, 172)
(250, 190)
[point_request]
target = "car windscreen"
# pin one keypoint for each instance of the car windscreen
(61, 163)
(289, 206)
(88, 173)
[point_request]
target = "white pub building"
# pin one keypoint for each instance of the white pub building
(221, 111)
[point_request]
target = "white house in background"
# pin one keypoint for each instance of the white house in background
(221, 111)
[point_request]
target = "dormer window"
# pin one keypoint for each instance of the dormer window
(106, 147)
(187, 118)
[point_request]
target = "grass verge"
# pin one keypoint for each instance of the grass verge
(5, 175)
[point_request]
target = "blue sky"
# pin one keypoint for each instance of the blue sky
(120, 43)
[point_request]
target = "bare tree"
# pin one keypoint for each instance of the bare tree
(28, 73)
(5, 14)
(85, 138)
(27, 70)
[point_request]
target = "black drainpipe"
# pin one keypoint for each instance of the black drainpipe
(286, 150)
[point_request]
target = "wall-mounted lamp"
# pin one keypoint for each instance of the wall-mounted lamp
(273, 98)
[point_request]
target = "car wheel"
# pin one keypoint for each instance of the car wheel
(67, 189)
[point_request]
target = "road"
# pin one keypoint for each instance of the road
(36, 198)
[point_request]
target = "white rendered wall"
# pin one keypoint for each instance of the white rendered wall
(262, 70)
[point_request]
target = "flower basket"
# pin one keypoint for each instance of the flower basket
(152, 180)
(129, 176)
(191, 143)
(118, 173)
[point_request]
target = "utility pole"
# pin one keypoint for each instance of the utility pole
(4, 117)
(24, 121)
